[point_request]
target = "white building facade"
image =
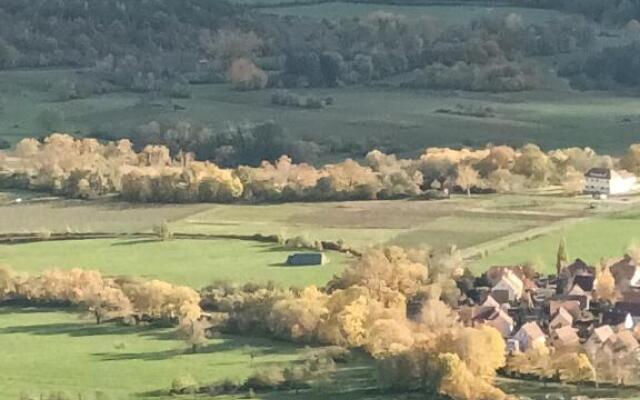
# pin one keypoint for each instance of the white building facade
(608, 182)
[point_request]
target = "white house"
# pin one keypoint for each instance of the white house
(608, 182)
(510, 284)
(530, 335)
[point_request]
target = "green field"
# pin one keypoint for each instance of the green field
(589, 240)
(195, 263)
(44, 350)
(443, 15)
(461, 221)
(551, 118)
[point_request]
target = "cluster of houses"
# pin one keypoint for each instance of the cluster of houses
(558, 310)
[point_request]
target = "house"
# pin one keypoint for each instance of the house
(565, 337)
(626, 273)
(500, 296)
(495, 317)
(599, 338)
(624, 341)
(561, 319)
(579, 273)
(490, 301)
(300, 259)
(511, 284)
(579, 267)
(571, 306)
(627, 308)
(523, 273)
(530, 335)
(605, 181)
(584, 282)
(579, 294)
(631, 296)
(618, 317)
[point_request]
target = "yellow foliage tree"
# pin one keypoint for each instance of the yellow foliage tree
(605, 285)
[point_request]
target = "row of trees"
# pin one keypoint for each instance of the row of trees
(87, 168)
(106, 298)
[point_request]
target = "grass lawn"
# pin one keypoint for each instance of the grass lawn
(45, 350)
(195, 263)
(589, 240)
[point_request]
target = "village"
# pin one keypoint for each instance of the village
(596, 308)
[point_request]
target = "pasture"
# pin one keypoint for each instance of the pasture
(47, 351)
(194, 263)
(460, 221)
(557, 117)
(591, 239)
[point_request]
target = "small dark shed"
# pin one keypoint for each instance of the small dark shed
(299, 259)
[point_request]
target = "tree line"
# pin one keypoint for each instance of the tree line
(87, 168)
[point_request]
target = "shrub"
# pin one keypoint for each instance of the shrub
(163, 231)
(43, 234)
(184, 384)
(289, 99)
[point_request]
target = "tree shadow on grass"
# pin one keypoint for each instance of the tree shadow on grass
(136, 242)
(246, 346)
(23, 309)
(85, 329)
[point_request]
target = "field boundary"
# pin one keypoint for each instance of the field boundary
(34, 237)
(478, 251)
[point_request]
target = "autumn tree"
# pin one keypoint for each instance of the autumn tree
(534, 164)
(245, 75)
(299, 317)
(229, 45)
(460, 383)
(573, 181)
(631, 160)
(561, 256)
(7, 282)
(194, 332)
(467, 177)
(394, 268)
(605, 285)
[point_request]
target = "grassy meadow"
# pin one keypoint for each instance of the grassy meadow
(194, 263)
(590, 240)
(47, 350)
(551, 118)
